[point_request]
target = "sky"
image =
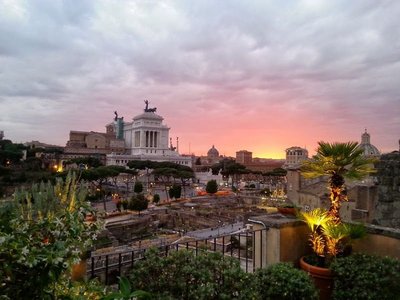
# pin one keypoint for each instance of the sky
(260, 76)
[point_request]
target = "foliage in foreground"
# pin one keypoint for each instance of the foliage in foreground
(339, 161)
(284, 282)
(329, 240)
(183, 275)
(366, 277)
(42, 234)
(66, 289)
(125, 292)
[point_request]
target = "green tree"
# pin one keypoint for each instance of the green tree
(339, 161)
(229, 168)
(212, 187)
(138, 203)
(115, 175)
(138, 187)
(279, 172)
(100, 177)
(175, 191)
(86, 162)
(10, 153)
(32, 164)
(156, 198)
(142, 165)
(164, 175)
(185, 175)
(129, 176)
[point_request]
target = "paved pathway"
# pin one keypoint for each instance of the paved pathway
(216, 231)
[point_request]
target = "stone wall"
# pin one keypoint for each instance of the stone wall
(286, 239)
(387, 210)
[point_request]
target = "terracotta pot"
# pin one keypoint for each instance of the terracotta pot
(322, 277)
(78, 271)
(287, 210)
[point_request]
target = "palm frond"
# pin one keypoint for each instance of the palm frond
(344, 159)
(315, 218)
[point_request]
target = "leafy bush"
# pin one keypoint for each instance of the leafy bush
(362, 276)
(138, 203)
(66, 289)
(138, 187)
(175, 191)
(156, 198)
(212, 186)
(183, 275)
(282, 281)
(42, 234)
(125, 292)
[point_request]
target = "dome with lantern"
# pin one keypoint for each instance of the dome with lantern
(366, 146)
(213, 153)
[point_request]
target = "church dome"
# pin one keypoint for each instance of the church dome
(213, 153)
(368, 148)
(148, 116)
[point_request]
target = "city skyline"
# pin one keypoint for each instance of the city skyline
(258, 76)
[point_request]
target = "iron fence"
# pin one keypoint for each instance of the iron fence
(246, 246)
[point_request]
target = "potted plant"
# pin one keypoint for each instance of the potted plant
(328, 240)
(287, 209)
(329, 237)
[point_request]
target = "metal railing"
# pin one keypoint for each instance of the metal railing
(246, 246)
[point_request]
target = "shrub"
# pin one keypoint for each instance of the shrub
(362, 276)
(183, 275)
(283, 281)
(125, 292)
(138, 203)
(124, 204)
(42, 234)
(175, 191)
(156, 198)
(78, 290)
(138, 187)
(212, 186)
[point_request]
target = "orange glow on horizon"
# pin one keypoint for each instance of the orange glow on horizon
(273, 155)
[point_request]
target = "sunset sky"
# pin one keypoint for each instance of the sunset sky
(255, 75)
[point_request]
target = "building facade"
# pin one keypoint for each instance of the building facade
(93, 144)
(146, 138)
(294, 156)
(244, 157)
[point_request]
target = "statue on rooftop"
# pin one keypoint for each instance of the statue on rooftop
(147, 109)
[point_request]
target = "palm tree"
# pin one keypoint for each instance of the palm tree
(339, 161)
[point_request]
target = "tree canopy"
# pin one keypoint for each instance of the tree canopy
(212, 187)
(338, 161)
